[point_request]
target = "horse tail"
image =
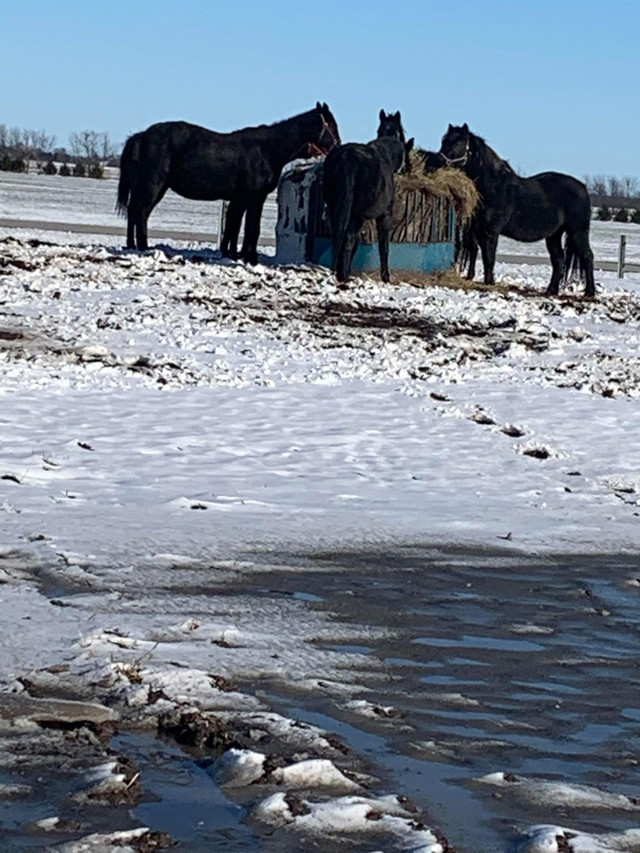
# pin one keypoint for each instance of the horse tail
(129, 160)
(572, 260)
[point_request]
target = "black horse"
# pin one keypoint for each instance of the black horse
(548, 205)
(390, 125)
(242, 167)
(358, 184)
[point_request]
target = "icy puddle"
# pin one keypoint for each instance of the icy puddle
(179, 798)
(506, 702)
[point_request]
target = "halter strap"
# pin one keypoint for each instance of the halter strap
(463, 159)
(315, 149)
(325, 126)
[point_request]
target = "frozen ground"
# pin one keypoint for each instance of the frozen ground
(172, 422)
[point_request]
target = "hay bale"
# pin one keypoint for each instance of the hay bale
(446, 182)
(422, 202)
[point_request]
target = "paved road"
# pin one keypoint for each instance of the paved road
(204, 237)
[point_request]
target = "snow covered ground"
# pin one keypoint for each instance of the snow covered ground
(395, 411)
(170, 419)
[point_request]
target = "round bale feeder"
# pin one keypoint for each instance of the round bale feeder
(428, 208)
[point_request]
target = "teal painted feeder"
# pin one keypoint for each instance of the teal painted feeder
(422, 239)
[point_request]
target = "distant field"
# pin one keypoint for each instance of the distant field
(82, 201)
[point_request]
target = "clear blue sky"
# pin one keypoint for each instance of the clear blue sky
(550, 84)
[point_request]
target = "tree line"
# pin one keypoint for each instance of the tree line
(616, 199)
(88, 152)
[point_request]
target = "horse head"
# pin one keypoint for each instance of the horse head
(456, 146)
(431, 160)
(329, 136)
(391, 125)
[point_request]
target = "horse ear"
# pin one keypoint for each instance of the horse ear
(465, 127)
(318, 106)
(409, 145)
(397, 115)
(382, 115)
(450, 127)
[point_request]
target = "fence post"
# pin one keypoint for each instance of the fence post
(621, 255)
(223, 216)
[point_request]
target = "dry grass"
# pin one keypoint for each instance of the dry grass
(446, 183)
(447, 278)
(451, 280)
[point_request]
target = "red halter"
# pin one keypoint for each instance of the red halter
(317, 149)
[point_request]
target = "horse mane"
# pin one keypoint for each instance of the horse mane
(487, 155)
(275, 124)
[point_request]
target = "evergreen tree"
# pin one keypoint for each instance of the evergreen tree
(604, 213)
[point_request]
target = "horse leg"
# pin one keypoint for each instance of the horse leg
(488, 246)
(252, 228)
(585, 255)
(131, 231)
(141, 230)
(556, 253)
(466, 251)
(133, 218)
(472, 250)
(136, 227)
(145, 203)
(345, 256)
(233, 219)
(383, 226)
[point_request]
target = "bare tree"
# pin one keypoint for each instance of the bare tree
(91, 145)
(83, 143)
(630, 186)
(614, 186)
(42, 142)
(75, 144)
(107, 148)
(14, 137)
